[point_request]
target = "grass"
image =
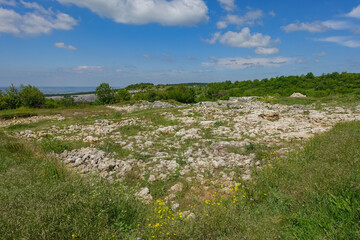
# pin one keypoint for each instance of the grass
(314, 193)
(41, 200)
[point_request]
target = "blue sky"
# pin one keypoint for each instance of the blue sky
(86, 42)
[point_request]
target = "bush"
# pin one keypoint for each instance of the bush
(105, 94)
(31, 96)
(67, 101)
(182, 94)
(51, 103)
(3, 104)
(11, 98)
(122, 95)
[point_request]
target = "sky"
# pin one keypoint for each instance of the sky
(122, 42)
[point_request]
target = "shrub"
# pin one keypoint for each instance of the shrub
(51, 103)
(3, 104)
(31, 96)
(67, 101)
(105, 94)
(11, 98)
(122, 95)
(182, 94)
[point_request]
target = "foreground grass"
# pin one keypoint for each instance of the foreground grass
(312, 194)
(41, 200)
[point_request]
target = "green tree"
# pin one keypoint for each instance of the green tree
(12, 98)
(105, 94)
(122, 95)
(31, 96)
(182, 94)
(3, 104)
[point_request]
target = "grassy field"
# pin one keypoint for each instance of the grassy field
(312, 194)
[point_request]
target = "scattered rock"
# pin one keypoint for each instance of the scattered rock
(177, 188)
(298, 95)
(145, 194)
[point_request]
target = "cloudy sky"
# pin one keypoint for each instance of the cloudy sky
(86, 42)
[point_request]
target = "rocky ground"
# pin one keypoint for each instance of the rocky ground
(212, 144)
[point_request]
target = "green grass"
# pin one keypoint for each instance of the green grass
(41, 200)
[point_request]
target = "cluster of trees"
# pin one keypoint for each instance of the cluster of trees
(310, 85)
(27, 96)
(180, 93)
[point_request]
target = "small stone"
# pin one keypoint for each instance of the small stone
(177, 188)
(152, 178)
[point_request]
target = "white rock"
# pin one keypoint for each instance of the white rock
(177, 188)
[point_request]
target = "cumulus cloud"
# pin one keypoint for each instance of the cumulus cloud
(85, 68)
(39, 21)
(228, 5)
(168, 13)
(64, 46)
(242, 63)
(341, 40)
(266, 51)
(8, 2)
(317, 26)
(248, 19)
(320, 54)
(355, 13)
(242, 39)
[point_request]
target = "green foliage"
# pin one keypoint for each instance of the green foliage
(3, 104)
(320, 86)
(12, 98)
(182, 93)
(122, 95)
(51, 103)
(67, 102)
(140, 86)
(105, 94)
(31, 96)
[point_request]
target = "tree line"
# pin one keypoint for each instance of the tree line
(310, 85)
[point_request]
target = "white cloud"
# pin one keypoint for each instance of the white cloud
(300, 61)
(34, 5)
(341, 40)
(355, 13)
(242, 39)
(320, 54)
(266, 51)
(228, 5)
(8, 2)
(248, 19)
(318, 26)
(272, 13)
(63, 45)
(316, 60)
(242, 63)
(214, 38)
(34, 23)
(146, 56)
(168, 13)
(88, 68)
